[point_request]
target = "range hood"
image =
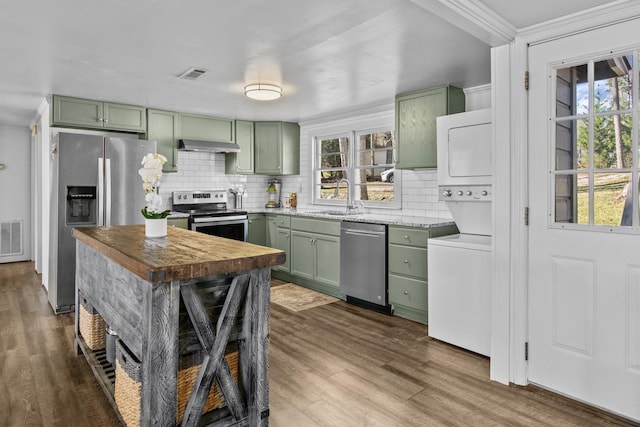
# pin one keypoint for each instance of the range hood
(208, 146)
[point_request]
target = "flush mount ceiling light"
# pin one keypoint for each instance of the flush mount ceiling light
(263, 92)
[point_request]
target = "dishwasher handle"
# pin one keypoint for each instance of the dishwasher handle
(363, 232)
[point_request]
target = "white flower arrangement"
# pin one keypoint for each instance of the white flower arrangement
(151, 172)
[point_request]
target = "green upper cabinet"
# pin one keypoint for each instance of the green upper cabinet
(277, 148)
(416, 114)
(241, 163)
(89, 114)
(206, 128)
(164, 128)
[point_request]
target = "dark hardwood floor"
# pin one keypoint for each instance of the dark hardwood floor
(334, 365)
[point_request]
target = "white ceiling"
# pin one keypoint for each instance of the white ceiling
(329, 56)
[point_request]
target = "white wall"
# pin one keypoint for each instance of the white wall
(15, 187)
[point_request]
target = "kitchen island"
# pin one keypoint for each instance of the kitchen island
(138, 285)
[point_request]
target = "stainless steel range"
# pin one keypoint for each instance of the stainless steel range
(209, 214)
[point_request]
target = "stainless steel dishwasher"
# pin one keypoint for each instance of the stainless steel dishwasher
(363, 264)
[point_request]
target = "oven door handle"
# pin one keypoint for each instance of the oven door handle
(222, 220)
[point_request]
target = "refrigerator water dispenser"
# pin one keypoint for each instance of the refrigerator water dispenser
(81, 206)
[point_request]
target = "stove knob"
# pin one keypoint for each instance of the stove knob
(469, 193)
(460, 193)
(179, 196)
(484, 193)
(446, 193)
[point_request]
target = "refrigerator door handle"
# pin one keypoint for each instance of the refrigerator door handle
(107, 180)
(100, 219)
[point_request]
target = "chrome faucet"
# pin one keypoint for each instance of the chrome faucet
(349, 202)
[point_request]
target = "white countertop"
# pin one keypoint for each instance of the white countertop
(422, 222)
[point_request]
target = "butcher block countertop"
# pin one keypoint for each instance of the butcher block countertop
(182, 254)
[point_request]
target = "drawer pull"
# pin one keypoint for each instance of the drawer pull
(406, 292)
(406, 237)
(406, 261)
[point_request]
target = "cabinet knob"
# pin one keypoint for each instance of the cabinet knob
(406, 292)
(406, 261)
(250, 222)
(406, 237)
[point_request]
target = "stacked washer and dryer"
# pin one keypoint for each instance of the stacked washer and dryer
(460, 265)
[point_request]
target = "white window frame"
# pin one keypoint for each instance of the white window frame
(353, 169)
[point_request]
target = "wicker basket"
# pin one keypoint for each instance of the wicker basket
(128, 386)
(93, 328)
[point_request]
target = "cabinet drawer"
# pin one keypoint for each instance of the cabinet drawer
(178, 222)
(310, 225)
(283, 221)
(408, 261)
(408, 236)
(408, 292)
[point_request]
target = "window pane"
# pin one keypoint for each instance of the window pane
(376, 192)
(572, 144)
(612, 85)
(331, 177)
(334, 145)
(612, 141)
(568, 200)
(333, 161)
(334, 152)
(609, 194)
(572, 91)
(583, 197)
(376, 148)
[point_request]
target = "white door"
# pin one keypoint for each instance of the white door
(15, 190)
(584, 234)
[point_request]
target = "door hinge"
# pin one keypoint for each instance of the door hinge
(526, 351)
(526, 215)
(526, 80)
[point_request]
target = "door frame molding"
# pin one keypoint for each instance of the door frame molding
(511, 182)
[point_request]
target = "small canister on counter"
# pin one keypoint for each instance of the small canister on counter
(293, 200)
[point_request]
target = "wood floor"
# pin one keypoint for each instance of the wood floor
(333, 365)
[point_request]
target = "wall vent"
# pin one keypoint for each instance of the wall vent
(10, 238)
(192, 73)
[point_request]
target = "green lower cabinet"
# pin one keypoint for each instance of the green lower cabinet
(178, 222)
(279, 237)
(409, 297)
(316, 257)
(304, 261)
(257, 233)
(407, 255)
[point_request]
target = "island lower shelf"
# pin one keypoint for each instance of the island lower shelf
(222, 309)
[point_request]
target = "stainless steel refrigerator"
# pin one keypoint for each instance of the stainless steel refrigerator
(94, 181)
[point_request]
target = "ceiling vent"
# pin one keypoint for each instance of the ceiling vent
(192, 73)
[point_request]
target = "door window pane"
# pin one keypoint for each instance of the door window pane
(572, 91)
(612, 84)
(612, 141)
(609, 196)
(572, 144)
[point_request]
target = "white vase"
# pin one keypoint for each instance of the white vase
(155, 227)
